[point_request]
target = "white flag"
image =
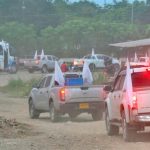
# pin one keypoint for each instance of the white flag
(93, 53)
(35, 55)
(128, 85)
(86, 74)
(42, 54)
(135, 58)
(58, 75)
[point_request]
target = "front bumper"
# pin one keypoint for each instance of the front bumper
(75, 107)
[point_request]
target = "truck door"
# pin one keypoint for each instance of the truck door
(45, 94)
(50, 62)
(39, 94)
(115, 99)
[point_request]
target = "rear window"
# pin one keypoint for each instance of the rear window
(141, 79)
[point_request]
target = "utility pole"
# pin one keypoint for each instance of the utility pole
(132, 13)
(23, 8)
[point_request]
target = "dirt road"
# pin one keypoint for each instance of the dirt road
(81, 134)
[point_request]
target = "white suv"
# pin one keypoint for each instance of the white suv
(134, 116)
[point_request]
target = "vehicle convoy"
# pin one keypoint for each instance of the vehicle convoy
(73, 98)
(45, 64)
(7, 62)
(133, 116)
(97, 61)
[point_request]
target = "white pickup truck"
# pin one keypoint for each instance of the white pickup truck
(47, 96)
(133, 116)
(45, 64)
(97, 61)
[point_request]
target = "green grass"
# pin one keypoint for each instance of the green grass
(18, 88)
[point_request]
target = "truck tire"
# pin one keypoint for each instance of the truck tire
(92, 67)
(111, 129)
(128, 133)
(97, 115)
(34, 114)
(53, 113)
(44, 69)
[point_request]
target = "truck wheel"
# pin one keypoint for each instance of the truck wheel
(111, 129)
(44, 69)
(92, 67)
(53, 113)
(128, 133)
(97, 115)
(34, 114)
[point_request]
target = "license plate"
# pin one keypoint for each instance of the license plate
(84, 106)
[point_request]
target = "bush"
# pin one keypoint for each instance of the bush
(18, 88)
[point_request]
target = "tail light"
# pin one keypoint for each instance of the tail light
(37, 62)
(62, 94)
(134, 102)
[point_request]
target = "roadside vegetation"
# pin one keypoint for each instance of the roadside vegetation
(18, 88)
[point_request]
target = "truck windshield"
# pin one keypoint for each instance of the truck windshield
(141, 79)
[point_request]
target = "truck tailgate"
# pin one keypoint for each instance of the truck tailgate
(143, 100)
(30, 63)
(84, 94)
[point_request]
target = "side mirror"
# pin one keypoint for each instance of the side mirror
(107, 88)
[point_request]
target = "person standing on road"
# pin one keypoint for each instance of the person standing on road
(64, 67)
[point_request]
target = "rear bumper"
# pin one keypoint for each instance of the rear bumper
(33, 67)
(75, 107)
(143, 118)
